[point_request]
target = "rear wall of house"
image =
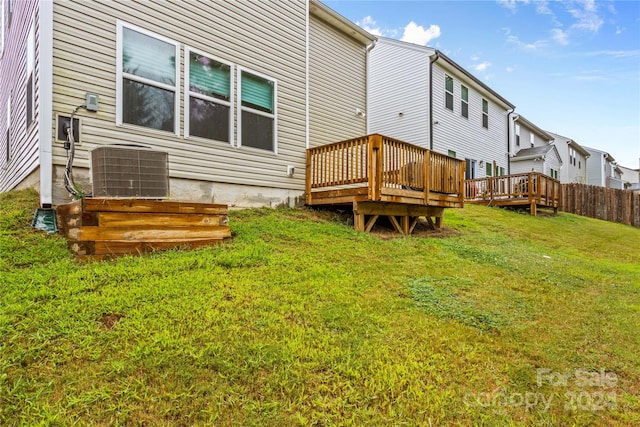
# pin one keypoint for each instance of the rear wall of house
(337, 85)
(265, 37)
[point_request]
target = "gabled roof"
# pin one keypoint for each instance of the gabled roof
(534, 153)
(529, 125)
(431, 52)
(579, 148)
(608, 157)
(330, 16)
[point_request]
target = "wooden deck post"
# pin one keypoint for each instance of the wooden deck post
(427, 175)
(308, 179)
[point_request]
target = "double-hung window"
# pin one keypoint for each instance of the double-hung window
(464, 101)
(485, 114)
(532, 140)
(448, 92)
(147, 79)
(517, 135)
(488, 168)
(209, 97)
(257, 118)
(29, 89)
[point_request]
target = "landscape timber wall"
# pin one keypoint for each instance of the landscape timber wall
(609, 204)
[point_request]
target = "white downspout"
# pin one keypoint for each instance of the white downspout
(306, 73)
(45, 102)
(368, 49)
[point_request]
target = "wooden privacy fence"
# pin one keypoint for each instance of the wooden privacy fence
(379, 168)
(609, 204)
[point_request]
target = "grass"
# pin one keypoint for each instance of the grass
(300, 320)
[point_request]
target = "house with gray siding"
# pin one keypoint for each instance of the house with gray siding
(234, 92)
(631, 178)
(574, 159)
(531, 150)
(419, 95)
(603, 170)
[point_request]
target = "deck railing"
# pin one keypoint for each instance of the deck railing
(534, 187)
(388, 169)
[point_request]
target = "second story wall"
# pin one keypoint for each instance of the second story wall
(468, 137)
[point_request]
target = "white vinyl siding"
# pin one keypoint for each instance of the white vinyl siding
(466, 136)
(8, 144)
(257, 111)
(29, 83)
(399, 92)
(337, 85)
(208, 102)
(148, 73)
(20, 46)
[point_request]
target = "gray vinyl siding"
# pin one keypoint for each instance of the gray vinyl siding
(337, 84)
(265, 37)
(13, 65)
(569, 172)
(596, 168)
(466, 136)
(527, 166)
(399, 92)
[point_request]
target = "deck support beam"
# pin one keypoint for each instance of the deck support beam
(403, 217)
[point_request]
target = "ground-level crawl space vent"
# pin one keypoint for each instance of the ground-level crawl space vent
(120, 171)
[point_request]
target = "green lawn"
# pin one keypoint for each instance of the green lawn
(505, 319)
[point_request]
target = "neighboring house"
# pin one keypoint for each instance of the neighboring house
(631, 178)
(603, 170)
(234, 92)
(574, 159)
(419, 95)
(530, 149)
(544, 159)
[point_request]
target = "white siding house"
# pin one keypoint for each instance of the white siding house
(574, 159)
(603, 170)
(419, 95)
(531, 150)
(631, 178)
(225, 88)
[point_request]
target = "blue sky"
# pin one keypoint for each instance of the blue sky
(570, 67)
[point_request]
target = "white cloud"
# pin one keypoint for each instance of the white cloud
(515, 40)
(370, 25)
(619, 30)
(509, 69)
(586, 15)
(542, 8)
(511, 4)
(475, 58)
(482, 66)
(414, 33)
(561, 37)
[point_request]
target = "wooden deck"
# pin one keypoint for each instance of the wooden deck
(532, 190)
(104, 228)
(381, 176)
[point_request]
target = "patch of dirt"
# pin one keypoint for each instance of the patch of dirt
(385, 231)
(109, 320)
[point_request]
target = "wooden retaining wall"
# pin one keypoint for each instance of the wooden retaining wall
(103, 228)
(609, 204)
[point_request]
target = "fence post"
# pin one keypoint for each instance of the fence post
(426, 170)
(375, 166)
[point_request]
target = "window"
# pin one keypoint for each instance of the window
(579, 164)
(488, 169)
(147, 77)
(257, 125)
(31, 49)
(208, 102)
(451, 153)
(517, 135)
(448, 92)
(8, 135)
(470, 171)
(464, 101)
(501, 171)
(485, 114)
(531, 139)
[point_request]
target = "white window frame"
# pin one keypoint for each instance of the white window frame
(517, 135)
(462, 101)
(240, 108)
(485, 114)
(532, 140)
(187, 93)
(120, 76)
(446, 92)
